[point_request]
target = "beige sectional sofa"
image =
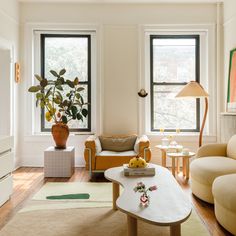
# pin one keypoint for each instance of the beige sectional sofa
(224, 192)
(213, 179)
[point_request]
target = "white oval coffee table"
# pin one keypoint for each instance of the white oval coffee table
(168, 204)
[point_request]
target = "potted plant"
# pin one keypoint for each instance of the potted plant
(63, 102)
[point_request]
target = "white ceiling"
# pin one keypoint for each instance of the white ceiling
(126, 1)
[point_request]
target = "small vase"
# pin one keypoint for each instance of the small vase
(60, 133)
(144, 200)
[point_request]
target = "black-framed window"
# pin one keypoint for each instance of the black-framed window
(72, 52)
(174, 61)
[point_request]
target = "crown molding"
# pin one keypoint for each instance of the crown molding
(126, 1)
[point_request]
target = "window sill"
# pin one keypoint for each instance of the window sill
(47, 137)
(182, 137)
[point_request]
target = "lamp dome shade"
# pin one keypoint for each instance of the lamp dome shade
(192, 89)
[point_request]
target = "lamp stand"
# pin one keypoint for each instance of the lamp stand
(203, 121)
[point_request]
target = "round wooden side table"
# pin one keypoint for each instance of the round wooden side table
(165, 149)
(175, 156)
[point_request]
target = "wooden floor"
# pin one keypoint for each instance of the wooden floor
(28, 181)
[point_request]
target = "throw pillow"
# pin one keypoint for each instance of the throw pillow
(136, 145)
(98, 145)
(118, 143)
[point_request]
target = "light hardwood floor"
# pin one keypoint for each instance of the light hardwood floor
(28, 181)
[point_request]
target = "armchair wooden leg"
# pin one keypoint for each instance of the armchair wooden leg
(90, 164)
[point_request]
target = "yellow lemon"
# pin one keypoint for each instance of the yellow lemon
(48, 116)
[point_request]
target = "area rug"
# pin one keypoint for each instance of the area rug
(88, 222)
(101, 192)
(83, 218)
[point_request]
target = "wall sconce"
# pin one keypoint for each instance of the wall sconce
(142, 93)
(17, 72)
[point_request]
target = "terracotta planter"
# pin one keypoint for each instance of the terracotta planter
(60, 133)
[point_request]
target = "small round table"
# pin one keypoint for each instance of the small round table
(186, 157)
(165, 149)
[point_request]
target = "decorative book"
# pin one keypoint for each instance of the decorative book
(147, 171)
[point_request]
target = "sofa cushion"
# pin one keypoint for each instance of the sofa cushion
(206, 169)
(231, 147)
(224, 191)
(112, 153)
(118, 143)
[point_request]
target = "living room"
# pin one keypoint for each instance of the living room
(127, 88)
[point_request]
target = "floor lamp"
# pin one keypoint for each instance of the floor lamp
(194, 90)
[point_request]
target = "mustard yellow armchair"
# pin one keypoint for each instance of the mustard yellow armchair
(104, 152)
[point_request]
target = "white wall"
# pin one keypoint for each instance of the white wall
(9, 33)
(119, 28)
(229, 36)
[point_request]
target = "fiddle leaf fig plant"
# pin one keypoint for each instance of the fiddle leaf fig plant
(61, 98)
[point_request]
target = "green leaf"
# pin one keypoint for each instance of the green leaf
(34, 89)
(42, 104)
(64, 119)
(54, 73)
(61, 80)
(65, 103)
(82, 100)
(39, 96)
(80, 89)
(70, 83)
(74, 110)
(57, 100)
(79, 116)
(62, 72)
(58, 82)
(68, 113)
(48, 93)
(44, 82)
(76, 81)
(84, 112)
(59, 87)
(77, 95)
(38, 77)
(59, 95)
(69, 104)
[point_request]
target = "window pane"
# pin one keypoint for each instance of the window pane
(173, 60)
(170, 112)
(70, 53)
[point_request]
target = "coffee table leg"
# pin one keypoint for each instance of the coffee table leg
(173, 166)
(175, 230)
(163, 158)
(116, 193)
(132, 226)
